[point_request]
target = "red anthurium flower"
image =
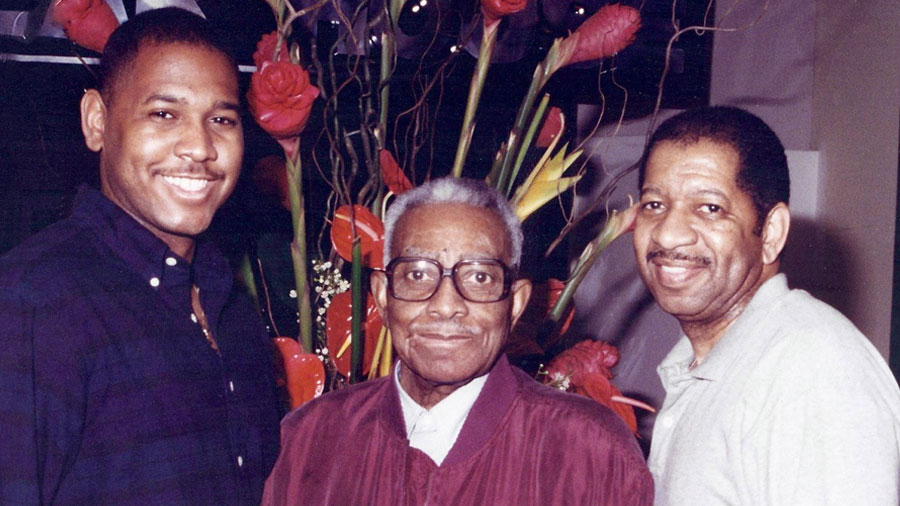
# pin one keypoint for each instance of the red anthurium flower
(586, 357)
(337, 331)
(598, 387)
(88, 23)
(281, 98)
(496, 9)
(392, 174)
(585, 370)
(265, 50)
(610, 30)
(551, 128)
(303, 373)
(368, 227)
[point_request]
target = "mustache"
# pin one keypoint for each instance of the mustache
(681, 257)
(446, 328)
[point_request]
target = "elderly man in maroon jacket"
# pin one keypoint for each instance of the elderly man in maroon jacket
(455, 424)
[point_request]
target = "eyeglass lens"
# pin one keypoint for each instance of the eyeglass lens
(476, 280)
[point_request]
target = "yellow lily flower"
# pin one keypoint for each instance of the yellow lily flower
(545, 182)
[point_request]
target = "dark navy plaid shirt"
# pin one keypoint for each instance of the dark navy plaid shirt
(109, 393)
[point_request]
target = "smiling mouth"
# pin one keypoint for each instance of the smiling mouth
(676, 276)
(187, 184)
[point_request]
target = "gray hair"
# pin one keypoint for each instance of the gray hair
(452, 190)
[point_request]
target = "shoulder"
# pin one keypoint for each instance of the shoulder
(43, 264)
(574, 417)
(813, 351)
(338, 408)
(802, 325)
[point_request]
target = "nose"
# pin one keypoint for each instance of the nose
(446, 301)
(196, 143)
(674, 229)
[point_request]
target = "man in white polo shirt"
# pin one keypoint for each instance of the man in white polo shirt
(772, 397)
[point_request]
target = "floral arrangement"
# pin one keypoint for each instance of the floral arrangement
(335, 314)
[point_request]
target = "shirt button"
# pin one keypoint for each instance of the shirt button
(154, 282)
(171, 262)
(240, 461)
(193, 318)
(231, 386)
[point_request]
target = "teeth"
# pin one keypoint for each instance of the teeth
(186, 183)
(673, 270)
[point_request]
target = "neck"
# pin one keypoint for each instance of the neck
(181, 246)
(704, 334)
(426, 393)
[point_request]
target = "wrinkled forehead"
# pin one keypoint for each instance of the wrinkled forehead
(451, 232)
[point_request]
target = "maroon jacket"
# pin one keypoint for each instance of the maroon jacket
(522, 444)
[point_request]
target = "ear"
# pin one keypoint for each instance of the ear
(93, 119)
(775, 232)
(521, 292)
(378, 285)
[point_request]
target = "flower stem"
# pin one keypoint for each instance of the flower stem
(356, 314)
(585, 262)
(523, 150)
(298, 249)
(488, 40)
(249, 281)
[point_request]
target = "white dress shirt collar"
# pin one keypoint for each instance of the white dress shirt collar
(434, 431)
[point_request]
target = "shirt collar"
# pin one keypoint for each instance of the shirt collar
(676, 366)
(448, 415)
(148, 256)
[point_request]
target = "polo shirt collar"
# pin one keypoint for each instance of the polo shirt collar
(676, 366)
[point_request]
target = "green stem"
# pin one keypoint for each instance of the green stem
(488, 40)
(523, 150)
(537, 82)
(298, 250)
(249, 280)
(356, 312)
(593, 250)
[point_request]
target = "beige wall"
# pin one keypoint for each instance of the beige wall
(856, 113)
(826, 76)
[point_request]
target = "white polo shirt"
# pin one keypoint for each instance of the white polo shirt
(793, 406)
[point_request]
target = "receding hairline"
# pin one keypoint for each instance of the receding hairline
(487, 212)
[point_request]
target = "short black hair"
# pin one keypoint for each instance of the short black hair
(762, 172)
(169, 25)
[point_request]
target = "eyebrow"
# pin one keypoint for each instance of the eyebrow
(220, 104)
(701, 191)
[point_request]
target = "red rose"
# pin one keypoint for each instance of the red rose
(265, 50)
(281, 98)
(551, 128)
(610, 30)
(87, 23)
(585, 358)
(496, 9)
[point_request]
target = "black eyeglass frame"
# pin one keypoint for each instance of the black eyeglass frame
(509, 276)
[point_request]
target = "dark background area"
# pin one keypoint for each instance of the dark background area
(43, 158)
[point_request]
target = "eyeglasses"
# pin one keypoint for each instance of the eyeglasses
(418, 279)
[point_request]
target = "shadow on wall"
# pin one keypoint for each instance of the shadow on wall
(815, 259)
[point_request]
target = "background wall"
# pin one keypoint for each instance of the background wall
(826, 76)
